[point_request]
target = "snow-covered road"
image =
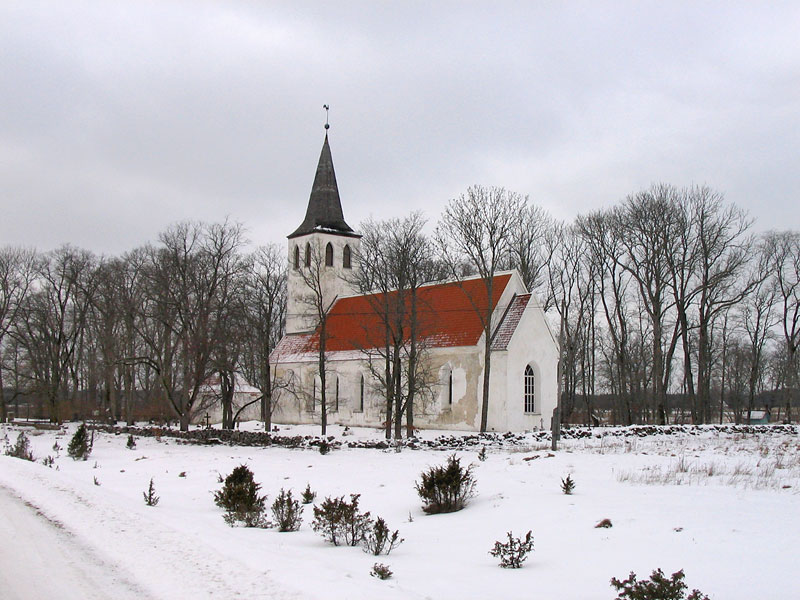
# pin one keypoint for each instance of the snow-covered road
(39, 560)
(59, 540)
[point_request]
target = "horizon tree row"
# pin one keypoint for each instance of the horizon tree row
(666, 302)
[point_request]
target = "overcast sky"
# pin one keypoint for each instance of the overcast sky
(119, 118)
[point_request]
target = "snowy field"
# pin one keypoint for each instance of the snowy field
(723, 507)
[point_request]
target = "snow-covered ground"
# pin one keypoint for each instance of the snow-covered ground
(722, 507)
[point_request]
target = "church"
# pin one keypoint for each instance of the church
(323, 253)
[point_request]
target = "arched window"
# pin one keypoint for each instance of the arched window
(297, 257)
(346, 260)
(530, 397)
(308, 254)
(329, 255)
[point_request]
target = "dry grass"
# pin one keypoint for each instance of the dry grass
(756, 462)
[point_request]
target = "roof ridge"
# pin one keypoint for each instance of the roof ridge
(427, 284)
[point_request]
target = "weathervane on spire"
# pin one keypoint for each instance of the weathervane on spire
(327, 108)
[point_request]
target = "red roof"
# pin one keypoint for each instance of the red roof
(447, 318)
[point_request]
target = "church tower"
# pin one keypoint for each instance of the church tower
(323, 248)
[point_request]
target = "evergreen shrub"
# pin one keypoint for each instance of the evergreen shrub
(379, 539)
(79, 447)
(240, 498)
(287, 512)
(341, 522)
(514, 552)
(22, 448)
(150, 497)
(658, 587)
(308, 495)
(446, 488)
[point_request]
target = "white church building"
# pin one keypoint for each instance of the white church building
(523, 376)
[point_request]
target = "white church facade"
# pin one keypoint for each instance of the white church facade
(523, 376)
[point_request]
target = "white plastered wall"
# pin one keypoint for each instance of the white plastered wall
(532, 343)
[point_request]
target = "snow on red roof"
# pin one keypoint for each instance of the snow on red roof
(447, 318)
(510, 321)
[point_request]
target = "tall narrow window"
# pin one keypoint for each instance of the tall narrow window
(530, 398)
(361, 395)
(346, 260)
(337, 395)
(450, 388)
(329, 255)
(297, 257)
(314, 396)
(308, 254)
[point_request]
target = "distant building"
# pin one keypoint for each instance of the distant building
(524, 351)
(245, 396)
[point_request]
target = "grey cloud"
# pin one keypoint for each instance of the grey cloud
(121, 117)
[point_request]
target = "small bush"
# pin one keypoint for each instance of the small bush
(514, 552)
(379, 539)
(96, 481)
(446, 488)
(79, 448)
(381, 571)
(48, 461)
(568, 485)
(150, 497)
(240, 499)
(308, 496)
(482, 454)
(22, 449)
(340, 522)
(324, 447)
(658, 587)
(287, 512)
(131, 442)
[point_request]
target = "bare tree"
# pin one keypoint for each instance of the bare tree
(529, 251)
(131, 297)
(52, 323)
(394, 259)
(784, 251)
(647, 223)
(265, 312)
(477, 227)
(570, 277)
(190, 283)
(683, 263)
(17, 272)
(721, 257)
(607, 253)
(107, 330)
(756, 315)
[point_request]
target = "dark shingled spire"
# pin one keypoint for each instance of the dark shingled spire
(324, 212)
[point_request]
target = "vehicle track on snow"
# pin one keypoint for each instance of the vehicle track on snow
(147, 557)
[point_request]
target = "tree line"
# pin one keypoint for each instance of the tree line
(667, 306)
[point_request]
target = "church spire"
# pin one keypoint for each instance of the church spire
(324, 212)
